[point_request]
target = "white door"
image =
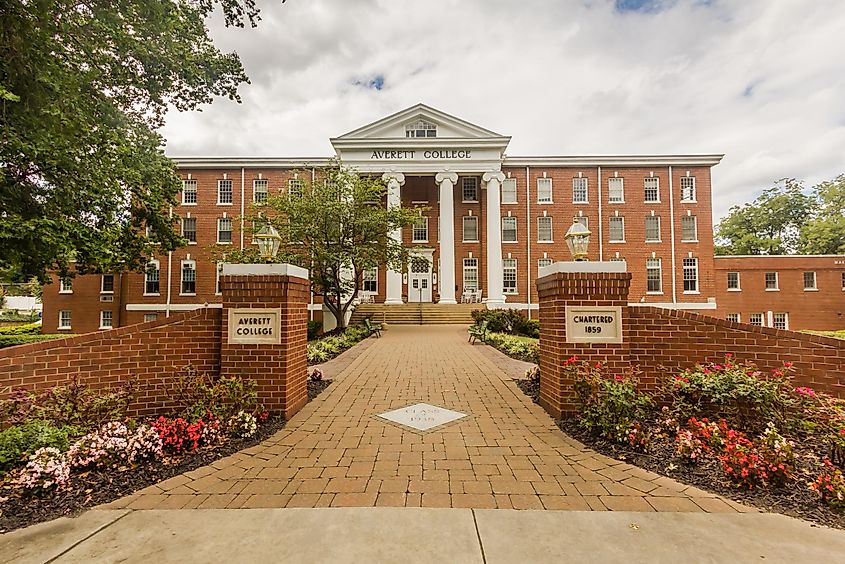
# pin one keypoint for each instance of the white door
(419, 280)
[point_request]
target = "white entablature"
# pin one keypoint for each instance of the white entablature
(421, 139)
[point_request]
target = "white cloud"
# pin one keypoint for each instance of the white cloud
(573, 77)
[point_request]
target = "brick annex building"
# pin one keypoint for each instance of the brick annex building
(491, 221)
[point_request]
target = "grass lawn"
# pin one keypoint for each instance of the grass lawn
(836, 334)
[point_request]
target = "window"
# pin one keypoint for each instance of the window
(295, 187)
(152, 279)
(369, 280)
(420, 230)
(689, 228)
(544, 190)
(544, 229)
(469, 186)
(652, 228)
(617, 229)
(66, 285)
(756, 319)
(105, 320)
(107, 284)
(542, 263)
(579, 190)
(615, 190)
(617, 259)
(224, 230)
(224, 191)
(810, 281)
(654, 276)
(150, 317)
(471, 228)
(471, 274)
(509, 191)
(509, 230)
(733, 281)
(420, 128)
(652, 189)
(260, 189)
(780, 321)
(732, 317)
(509, 276)
(687, 188)
(771, 281)
(189, 192)
(189, 277)
(691, 275)
(843, 281)
(219, 272)
(64, 319)
(189, 229)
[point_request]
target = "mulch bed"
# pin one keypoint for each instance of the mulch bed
(796, 500)
(101, 486)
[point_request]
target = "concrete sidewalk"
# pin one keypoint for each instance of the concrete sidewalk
(410, 535)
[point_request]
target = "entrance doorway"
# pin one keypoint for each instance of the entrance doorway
(419, 280)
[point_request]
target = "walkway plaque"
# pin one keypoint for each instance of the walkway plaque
(600, 324)
(254, 326)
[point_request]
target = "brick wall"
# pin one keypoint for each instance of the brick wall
(150, 352)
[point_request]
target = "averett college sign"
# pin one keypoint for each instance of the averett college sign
(255, 326)
(427, 154)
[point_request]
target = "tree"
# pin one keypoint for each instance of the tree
(824, 234)
(84, 84)
(771, 225)
(337, 227)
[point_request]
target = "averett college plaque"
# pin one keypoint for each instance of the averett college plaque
(598, 324)
(254, 326)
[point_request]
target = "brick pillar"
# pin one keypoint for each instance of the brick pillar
(278, 365)
(587, 285)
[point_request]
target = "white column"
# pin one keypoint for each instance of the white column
(394, 278)
(495, 292)
(446, 278)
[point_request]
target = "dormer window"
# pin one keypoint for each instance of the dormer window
(421, 128)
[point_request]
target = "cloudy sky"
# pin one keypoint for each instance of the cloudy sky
(762, 81)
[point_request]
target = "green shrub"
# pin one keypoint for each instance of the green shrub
(19, 441)
(314, 329)
(28, 329)
(508, 321)
(200, 394)
(327, 347)
(14, 340)
(520, 348)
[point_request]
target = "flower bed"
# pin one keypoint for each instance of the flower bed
(521, 348)
(724, 427)
(328, 347)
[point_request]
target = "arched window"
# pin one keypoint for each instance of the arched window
(421, 128)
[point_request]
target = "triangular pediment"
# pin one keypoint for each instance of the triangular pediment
(422, 120)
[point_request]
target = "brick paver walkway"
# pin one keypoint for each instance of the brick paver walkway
(507, 454)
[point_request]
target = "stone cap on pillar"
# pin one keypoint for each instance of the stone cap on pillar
(273, 269)
(583, 266)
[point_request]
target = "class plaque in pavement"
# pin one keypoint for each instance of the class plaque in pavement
(422, 416)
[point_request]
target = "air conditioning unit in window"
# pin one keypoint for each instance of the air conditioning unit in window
(106, 298)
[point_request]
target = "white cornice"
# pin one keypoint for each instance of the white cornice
(411, 142)
(616, 160)
(250, 162)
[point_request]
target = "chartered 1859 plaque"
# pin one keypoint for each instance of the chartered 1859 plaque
(585, 324)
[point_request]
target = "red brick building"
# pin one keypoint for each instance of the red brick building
(492, 221)
(784, 292)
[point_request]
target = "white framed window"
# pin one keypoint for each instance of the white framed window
(654, 276)
(543, 262)
(469, 188)
(579, 190)
(616, 233)
(471, 274)
(224, 192)
(106, 319)
(509, 230)
(652, 229)
(509, 191)
(470, 229)
(688, 189)
(224, 230)
(544, 229)
(189, 278)
(733, 282)
(107, 284)
(152, 279)
(509, 276)
(771, 279)
(189, 229)
(756, 319)
(219, 272)
(617, 259)
(150, 317)
(780, 321)
(295, 187)
(843, 281)
(690, 275)
(420, 230)
(544, 190)
(189, 192)
(615, 190)
(66, 285)
(64, 319)
(260, 190)
(732, 317)
(810, 281)
(369, 280)
(689, 229)
(420, 128)
(651, 186)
